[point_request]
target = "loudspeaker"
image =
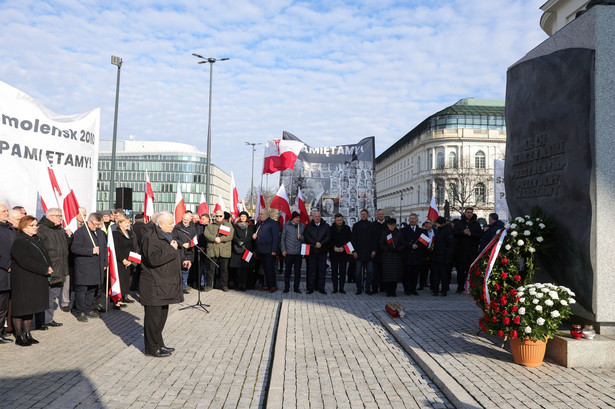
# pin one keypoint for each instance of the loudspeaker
(123, 198)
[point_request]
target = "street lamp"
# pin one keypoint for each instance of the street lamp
(401, 199)
(211, 62)
(252, 183)
(115, 61)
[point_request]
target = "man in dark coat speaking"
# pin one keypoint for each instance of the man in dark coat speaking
(160, 283)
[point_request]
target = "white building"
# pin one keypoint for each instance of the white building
(168, 165)
(448, 156)
(558, 13)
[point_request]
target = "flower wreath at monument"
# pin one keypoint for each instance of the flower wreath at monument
(500, 280)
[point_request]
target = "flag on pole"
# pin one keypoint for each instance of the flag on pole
(260, 204)
(219, 205)
(281, 154)
(54, 184)
(305, 249)
(224, 230)
(280, 202)
(234, 198)
(134, 257)
(247, 256)
(348, 247)
(70, 206)
(425, 239)
(194, 241)
(148, 206)
(114, 280)
(433, 212)
(203, 208)
(303, 213)
(180, 206)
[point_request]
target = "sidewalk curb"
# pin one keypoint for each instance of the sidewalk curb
(275, 392)
(449, 386)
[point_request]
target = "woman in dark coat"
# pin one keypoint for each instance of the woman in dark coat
(441, 257)
(30, 273)
(125, 241)
(392, 245)
(242, 241)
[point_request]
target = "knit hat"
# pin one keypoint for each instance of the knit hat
(294, 214)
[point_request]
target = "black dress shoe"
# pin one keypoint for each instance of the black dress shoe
(42, 327)
(434, 293)
(22, 341)
(186, 292)
(342, 291)
(309, 291)
(30, 339)
(322, 292)
(414, 292)
(297, 290)
(65, 309)
(168, 349)
(5, 340)
(161, 353)
(359, 292)
(81, 317)
(54, 324)
(420, 288)
(128, 300)
(92, 314)
(443, 293)
(286, 290)
(334, 291)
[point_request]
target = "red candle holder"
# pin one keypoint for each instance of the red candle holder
(576, 332)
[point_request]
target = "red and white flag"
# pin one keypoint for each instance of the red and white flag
(433, 212)
(260, 204)
(425, 239)
(247, 256)
(280, 202)
(224, 230)
(304, 217)
(203, 208)
(114, 280)
(194, 241)
(389, 239)
(233, 198)
(180, 206)
(281, 154)
(219, 205)
(42, 203)
(148, 205)
(70, 206)
(349, 248)
(54, 184)
(305, 249)
(134, 257)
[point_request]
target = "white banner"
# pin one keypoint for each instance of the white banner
(32, 138)
(500, 204)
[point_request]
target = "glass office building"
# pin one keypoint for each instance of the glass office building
(168, 164)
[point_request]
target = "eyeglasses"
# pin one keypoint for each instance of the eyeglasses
(55, 215)
(219, 217)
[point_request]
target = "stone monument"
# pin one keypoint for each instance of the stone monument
(560, 155)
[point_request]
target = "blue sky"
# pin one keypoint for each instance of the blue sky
(329, 72)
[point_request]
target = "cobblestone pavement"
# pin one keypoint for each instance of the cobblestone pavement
(273, 350)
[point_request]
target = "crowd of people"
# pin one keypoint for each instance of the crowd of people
(44, 266)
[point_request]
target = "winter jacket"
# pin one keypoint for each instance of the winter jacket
(57, 243)
(443, 245)
(7, 237)
(339, 238)
(160, 282)
(89, 268)
(289, 241)
(392, 254)
(364, 240)
(414, 257)
(242, 241)
(222, 249)
(182, 234)
(490, 234)
(317, 234)
(29, 276)
(467, 246)
(268, 236)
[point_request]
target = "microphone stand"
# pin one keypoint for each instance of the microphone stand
(198, 302)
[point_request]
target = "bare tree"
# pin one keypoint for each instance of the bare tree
(268, 195)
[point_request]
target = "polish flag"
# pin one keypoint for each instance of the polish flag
(134, 257)
(224, 230)
(203, 208)
(280, 202)
(114, 281)
(389, 239)
(260, 204)
(148, 206)
(305, 249)
(234, 197)
(349, 248)
(194, 241)
(247, 256)
(425, 239)
(42, 203)
(281, 154)
(219, 205)
(54, 184)
(180, 206)
(303, 213)
(70, 206)
(433, 212)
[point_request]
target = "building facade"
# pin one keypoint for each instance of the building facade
(558, 13)
(449, 156)
(168, 164)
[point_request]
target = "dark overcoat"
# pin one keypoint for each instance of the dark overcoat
(339, 238)
(29, 276)
(467, 246)
(364, 240)
(123, 246)
(182, 235)
(89, 268)
(242, 241)
(57, 243)
(7, 237)
(414, 257)
(160, 282)
(317, 234)
(392, 255)
(268, 236)
(443, 245)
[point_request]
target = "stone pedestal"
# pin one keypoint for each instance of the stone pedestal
(582, 353)
(560, 115)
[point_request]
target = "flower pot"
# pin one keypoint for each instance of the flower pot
(528, 353)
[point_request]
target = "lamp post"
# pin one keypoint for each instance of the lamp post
(211, 62)
(401, 199)
(115, 61)
(253, 144)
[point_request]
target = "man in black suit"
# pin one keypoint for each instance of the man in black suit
(414, 256)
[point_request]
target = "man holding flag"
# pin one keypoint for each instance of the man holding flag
(184, 233)
(219, 237)
(267, 238)
(414, 254)
(290, 243)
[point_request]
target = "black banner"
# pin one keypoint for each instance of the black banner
(334, 179)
